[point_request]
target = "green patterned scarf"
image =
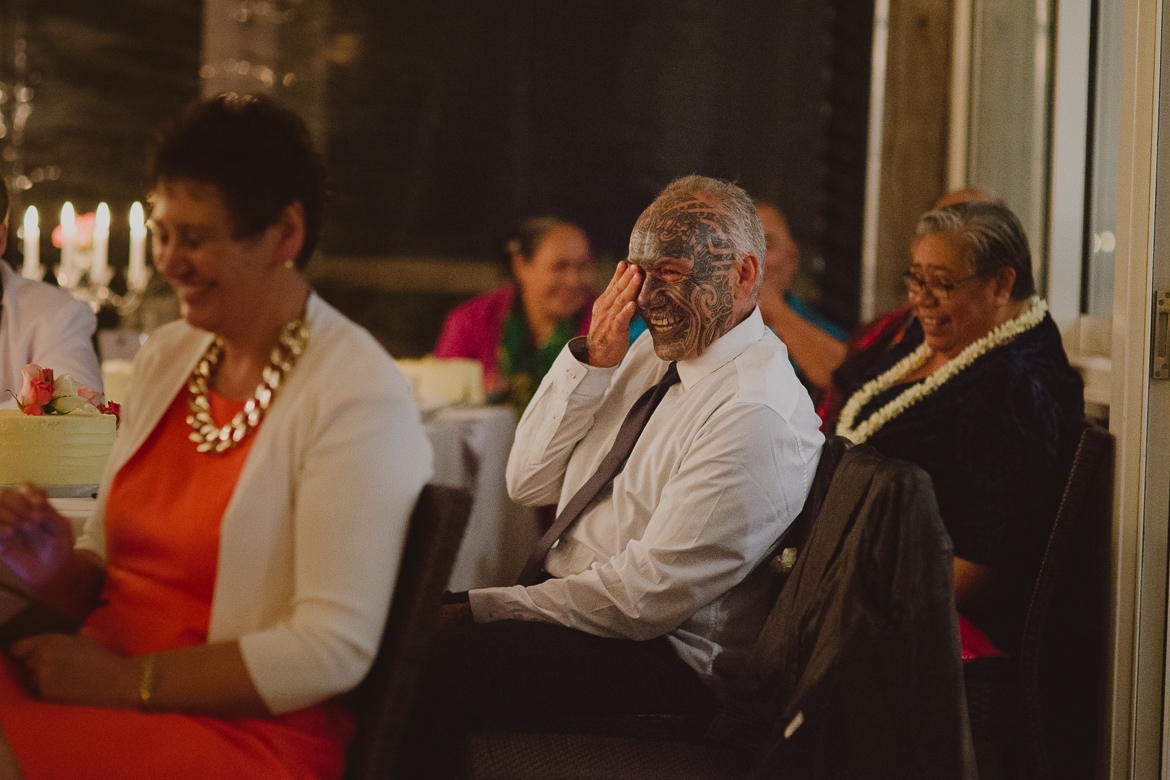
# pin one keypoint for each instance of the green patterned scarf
(523, 364)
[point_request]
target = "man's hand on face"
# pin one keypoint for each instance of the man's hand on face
(609, 330)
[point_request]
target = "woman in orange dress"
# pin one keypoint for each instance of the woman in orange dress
(235, 575)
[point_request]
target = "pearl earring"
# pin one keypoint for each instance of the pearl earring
(289, 264)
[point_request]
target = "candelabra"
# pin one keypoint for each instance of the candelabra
(84, 268)
(95, 290)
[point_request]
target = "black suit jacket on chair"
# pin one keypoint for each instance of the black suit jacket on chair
(857, 672)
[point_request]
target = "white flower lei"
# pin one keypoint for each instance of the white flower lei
(912, 395)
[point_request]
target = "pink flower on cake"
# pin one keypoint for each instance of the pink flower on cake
(99, 400)
(29, 373)
(93, 396)
(37, 389)
(112, 408)
(42, 394)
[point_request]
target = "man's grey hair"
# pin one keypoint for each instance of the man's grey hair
(736, 213)
(991, 238)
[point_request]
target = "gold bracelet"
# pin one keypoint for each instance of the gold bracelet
(146, 683)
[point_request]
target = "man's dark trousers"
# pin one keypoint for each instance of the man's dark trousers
(517, 675)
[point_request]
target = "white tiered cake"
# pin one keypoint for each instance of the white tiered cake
(54, 449)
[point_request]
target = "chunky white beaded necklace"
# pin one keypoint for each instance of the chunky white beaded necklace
(1001, 334)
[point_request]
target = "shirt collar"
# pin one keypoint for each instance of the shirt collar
(719, 352)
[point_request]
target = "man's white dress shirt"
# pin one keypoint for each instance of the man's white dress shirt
(43, 324)
(721, 469)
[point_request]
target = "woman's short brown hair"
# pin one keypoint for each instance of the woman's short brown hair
(259, 155)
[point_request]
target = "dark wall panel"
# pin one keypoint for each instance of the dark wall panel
(446, 121)
(103, 75)
(458, 118)
(845, 162)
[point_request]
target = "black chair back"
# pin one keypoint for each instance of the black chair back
(1062, 652)
(382, 700)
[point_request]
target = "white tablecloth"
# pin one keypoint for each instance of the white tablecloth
(471, 450)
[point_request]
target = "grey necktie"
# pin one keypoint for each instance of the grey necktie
(611, 466)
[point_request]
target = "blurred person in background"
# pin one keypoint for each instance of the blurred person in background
(816, 345)
(980, 394)
(517, 331)
(41, 324)
(872, 340)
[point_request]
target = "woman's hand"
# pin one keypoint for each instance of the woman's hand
(609, 330)
(35, 539)
(77, 670)
(201, 679)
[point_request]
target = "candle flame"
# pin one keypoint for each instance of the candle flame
(103, 217)
(68, 217)
(31, 219)
(137, 217)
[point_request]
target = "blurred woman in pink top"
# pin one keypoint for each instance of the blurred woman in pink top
(517, 331)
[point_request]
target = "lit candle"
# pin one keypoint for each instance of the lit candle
(68, 237)
(101, 245)
(32, 245)
(136, 275)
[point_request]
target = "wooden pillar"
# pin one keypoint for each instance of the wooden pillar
(266, 48)
(915, 121)
(239, 48)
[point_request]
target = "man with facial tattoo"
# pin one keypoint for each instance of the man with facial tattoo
(649, 582)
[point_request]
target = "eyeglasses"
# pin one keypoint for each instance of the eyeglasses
(938, 288)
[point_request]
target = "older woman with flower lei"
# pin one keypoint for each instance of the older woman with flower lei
(981, 395)
(235, 575)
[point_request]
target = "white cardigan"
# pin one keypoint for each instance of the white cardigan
(311, 539)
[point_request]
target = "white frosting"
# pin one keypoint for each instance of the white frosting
(456, 380)
(67, 449)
